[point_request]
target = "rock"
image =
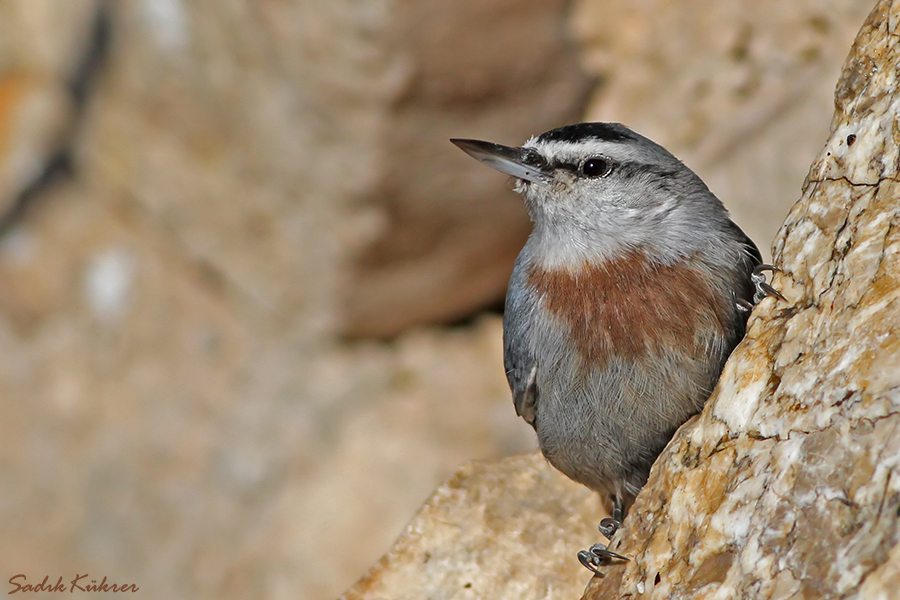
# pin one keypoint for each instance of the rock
(504, 529)
(314, 146)
(448, 232)
(742, 92)
(177, 406)
(786, 485)
(178, 410)
(44, 47)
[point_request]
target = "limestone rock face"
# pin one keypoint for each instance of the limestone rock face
(495, 530)
(786, 486)
(251, 180)
(289, 142)
(445, 232)
(177, 410)
(47, 58)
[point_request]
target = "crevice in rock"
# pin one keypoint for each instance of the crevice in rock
(58, 165)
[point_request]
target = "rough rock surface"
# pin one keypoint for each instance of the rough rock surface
(286, 143)
(176, 409)
(46, 62)
(787, 485)
(495, 530)
(444, 231)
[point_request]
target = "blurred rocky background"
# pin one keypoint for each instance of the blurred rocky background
(246, 284)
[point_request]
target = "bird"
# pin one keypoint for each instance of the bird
(627, 298)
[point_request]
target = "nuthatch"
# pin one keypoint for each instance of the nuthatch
(628, 297)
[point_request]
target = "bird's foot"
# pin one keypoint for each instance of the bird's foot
(609, 526)
(597, 556)
(763, 289)
(761, 286)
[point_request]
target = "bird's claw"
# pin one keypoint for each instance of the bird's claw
(597, 556)
(609, 526)
(763, 289)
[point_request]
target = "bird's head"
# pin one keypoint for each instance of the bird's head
(594, 190)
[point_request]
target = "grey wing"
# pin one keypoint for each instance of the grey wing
(745, 289)
(518, 358)
(521, 372)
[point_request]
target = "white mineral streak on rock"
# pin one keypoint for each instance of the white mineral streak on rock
(168, 21)
(108, 283)
(746, 395)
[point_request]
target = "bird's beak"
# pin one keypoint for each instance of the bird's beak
(524, 163)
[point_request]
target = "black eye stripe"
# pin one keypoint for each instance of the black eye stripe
(533, 158)
(626, 169)
(567, 166)
(577, 168)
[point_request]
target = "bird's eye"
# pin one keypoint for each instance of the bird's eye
(596, 166)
